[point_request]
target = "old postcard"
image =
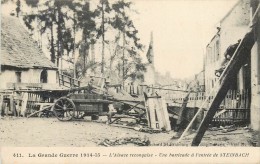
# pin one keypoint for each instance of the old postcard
(130, 81)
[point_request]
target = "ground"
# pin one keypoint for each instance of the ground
(50, 132)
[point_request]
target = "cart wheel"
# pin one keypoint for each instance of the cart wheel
(64, 109)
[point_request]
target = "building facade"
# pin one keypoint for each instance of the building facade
(237, 22)
(255, 67)
(231, 28)
(22, 61)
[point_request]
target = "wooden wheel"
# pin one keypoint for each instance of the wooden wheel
(64, 109)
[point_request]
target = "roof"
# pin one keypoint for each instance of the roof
(18, 49)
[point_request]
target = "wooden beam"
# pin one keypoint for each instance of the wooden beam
(183, 107)
(169, 89)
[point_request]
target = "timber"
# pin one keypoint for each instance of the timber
(181, 112)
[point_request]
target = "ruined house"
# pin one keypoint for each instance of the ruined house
(232, 27)
(243, 97)
(23, 63)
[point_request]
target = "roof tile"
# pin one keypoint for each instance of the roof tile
(18, 48)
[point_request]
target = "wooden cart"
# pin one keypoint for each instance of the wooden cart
(76, 106)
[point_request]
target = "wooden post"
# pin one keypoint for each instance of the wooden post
(1, 104)
(62, 79)
(183, 107)
(12, 106)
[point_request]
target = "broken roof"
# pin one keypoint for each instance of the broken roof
(18, 49)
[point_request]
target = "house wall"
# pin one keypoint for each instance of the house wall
(255, 80)
(212, 60)
(232, 27)
(52, 76)
(27, 76)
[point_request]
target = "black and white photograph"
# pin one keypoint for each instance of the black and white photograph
(130, 73)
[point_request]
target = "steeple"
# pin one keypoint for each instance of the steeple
(150, 53)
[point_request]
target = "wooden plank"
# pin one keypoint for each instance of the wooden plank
(158, 110)
(165, 114)
(220, 113)
(151, 109)
(91, 101)
(147, 110)
(182, 109)
(43, 106)
(24, 104)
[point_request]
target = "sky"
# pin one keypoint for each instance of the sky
(181, 30)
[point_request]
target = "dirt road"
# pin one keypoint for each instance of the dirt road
(49, 132)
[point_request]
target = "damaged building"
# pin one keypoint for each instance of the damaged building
(23, 63)
(243, 90)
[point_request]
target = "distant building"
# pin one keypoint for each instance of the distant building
(22, 61)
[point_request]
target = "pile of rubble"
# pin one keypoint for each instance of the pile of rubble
(125, 141)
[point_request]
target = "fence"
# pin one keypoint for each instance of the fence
(68, 81)
(13, 102)
(234, 109)
(232, 116)
(233, 100)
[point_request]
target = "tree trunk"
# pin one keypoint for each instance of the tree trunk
(74, 55)
(123, 69)
(52, 46)
(103, 39)
(59, 35)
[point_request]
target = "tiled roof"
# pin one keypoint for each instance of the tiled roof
(18, 49)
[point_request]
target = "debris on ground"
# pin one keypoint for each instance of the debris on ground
(229, 128)
(213, 129)
(224, 129)
(127, 140)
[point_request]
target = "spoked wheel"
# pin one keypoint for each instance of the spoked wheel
(64, 109)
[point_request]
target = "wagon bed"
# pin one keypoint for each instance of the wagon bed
(79, 105)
